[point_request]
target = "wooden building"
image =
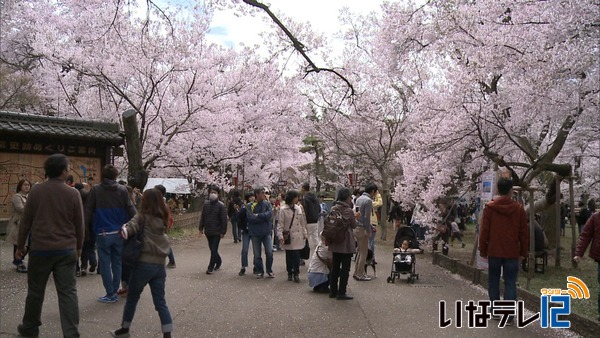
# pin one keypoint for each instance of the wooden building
(27, 140)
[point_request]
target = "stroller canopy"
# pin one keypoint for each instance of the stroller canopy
(406, 233)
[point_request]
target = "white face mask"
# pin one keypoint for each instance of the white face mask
(213, 197)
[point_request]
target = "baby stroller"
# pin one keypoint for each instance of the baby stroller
(404, 260)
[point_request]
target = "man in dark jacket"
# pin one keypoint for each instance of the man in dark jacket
(88, 252)
(53, 216)
(260, 227)
(213, 223)
(591, 234)
(232, 214)
(107, 208)
(242, 217)
(585, 213)
(312, 210)
(504, 238)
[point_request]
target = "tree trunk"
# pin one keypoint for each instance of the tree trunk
(548, 223)
(573, 221)
(137, 176)
(384, 208)
(384, 212)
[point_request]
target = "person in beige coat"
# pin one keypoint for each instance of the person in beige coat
(18, 203)
(292, 222)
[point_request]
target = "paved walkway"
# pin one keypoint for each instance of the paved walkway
(224, 304)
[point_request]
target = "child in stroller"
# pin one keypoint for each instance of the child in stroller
(405, 248)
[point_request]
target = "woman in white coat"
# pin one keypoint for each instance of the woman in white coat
(18, 203)
(319, 268)
(292, 233)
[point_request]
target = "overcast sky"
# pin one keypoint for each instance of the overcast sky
(322, 14)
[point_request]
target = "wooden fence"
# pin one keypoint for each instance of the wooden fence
(191, 219)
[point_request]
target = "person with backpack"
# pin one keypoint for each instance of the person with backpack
(344, 247)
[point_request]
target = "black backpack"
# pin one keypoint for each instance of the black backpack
(334, 229)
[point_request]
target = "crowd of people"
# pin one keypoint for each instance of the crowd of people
(293, 221)
(62, 236)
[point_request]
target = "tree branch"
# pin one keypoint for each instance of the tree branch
(298, 46)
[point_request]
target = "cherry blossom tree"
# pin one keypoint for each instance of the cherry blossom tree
(516, 85)
(363, 135)
(202, 109)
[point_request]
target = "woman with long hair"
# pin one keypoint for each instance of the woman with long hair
(292, 233)
(152, 221)
(18, 203)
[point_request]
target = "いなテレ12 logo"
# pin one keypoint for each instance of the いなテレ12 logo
(557, 302)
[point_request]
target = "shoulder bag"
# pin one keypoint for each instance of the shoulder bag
(287, 237)
(132, 248)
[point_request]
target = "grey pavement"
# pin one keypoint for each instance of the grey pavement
(225, 304)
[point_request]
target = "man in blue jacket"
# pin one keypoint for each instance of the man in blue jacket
(107, 208)
(260, 215)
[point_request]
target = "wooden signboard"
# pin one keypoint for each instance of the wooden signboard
(16, 166)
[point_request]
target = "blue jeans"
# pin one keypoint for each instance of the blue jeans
(510, 268)
(155, 276)
(372, 243)
(265, 241)
(418, 231)
(245, 247)
(110, 249)
(234, 230)
(215, 258)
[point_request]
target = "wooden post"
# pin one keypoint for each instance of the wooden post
(384, 211)
(531, 256)
(574, 228)
(137, 177)
(558, 216)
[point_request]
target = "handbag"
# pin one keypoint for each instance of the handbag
(132, 248)
(305, 252)
(287, 236)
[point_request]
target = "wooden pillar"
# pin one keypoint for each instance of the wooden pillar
(558, 216)
(138, 176)
(574, 227)
(531, 256)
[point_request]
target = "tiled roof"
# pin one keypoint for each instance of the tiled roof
(48, 126)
